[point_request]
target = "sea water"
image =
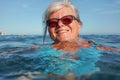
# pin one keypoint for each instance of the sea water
(17, 63)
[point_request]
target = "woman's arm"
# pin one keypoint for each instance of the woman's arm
(105, 48)
(35, 47)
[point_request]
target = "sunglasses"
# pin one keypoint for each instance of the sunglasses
(66, 20)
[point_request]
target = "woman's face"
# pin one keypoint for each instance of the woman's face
(64, 32)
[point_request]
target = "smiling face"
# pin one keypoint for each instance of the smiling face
(64, 32)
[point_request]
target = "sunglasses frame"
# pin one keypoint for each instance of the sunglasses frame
(56, 20)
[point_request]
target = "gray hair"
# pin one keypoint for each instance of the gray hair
(59, 5)
(55, 7)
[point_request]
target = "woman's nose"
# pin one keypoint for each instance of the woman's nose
(60, 24)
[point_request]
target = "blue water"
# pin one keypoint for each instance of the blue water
(17, 63)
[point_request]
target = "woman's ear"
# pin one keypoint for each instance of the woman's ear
(80, 26)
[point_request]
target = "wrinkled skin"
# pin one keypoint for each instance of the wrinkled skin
(70, 47)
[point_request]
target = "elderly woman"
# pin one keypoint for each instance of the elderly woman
(64, 26)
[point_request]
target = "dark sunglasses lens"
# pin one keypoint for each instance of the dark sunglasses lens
(52, 24)
(67, 20)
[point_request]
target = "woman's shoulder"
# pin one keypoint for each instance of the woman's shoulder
(87, 44)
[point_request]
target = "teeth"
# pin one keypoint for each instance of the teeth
(62, 31)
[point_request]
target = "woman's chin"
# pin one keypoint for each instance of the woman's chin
(61, 38)
(64, 39)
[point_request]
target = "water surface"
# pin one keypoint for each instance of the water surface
(38, 64)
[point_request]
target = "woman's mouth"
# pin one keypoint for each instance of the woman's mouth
(61, 31)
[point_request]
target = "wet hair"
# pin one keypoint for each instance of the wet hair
(55, 6)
